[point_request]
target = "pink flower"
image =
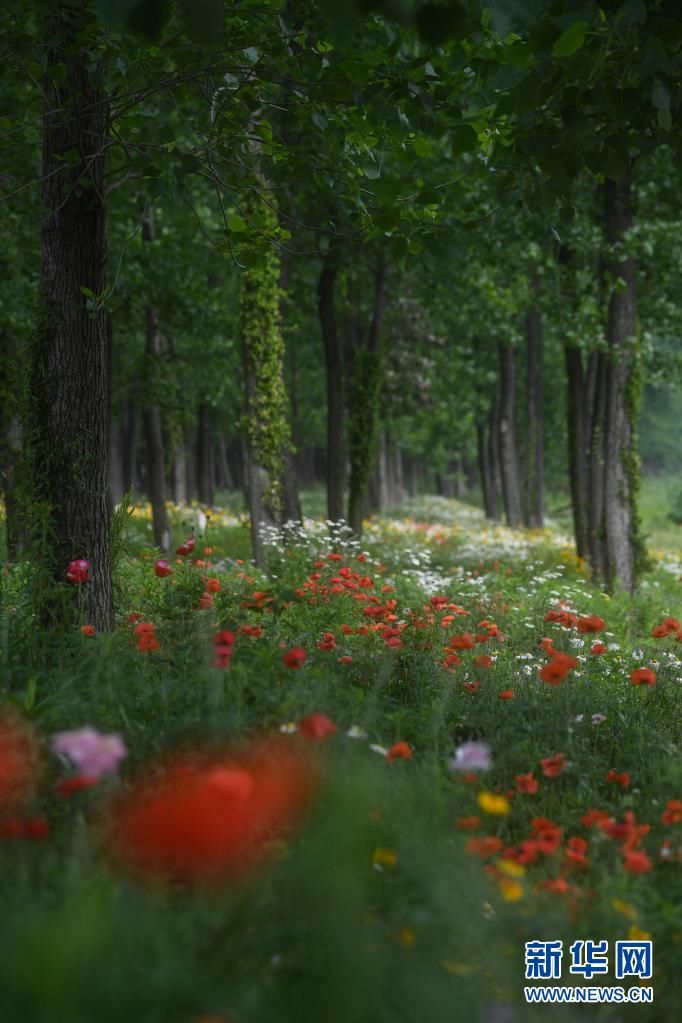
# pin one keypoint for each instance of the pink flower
(78, 571)
(472, 756)
(92, 753)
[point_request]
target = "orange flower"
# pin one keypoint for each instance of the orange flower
(19, 761)
(506, 694)
(483, 661)
(554, 765)
(461, 642)
(399, 751)
(526, 783)
(205, 820)
(643, 677)
(668, 627)
(88, 630)
(484, 847)
(213, 585)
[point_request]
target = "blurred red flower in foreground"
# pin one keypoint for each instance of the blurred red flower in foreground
(19, 761)
(643, 677)
(208, 820)
(295, 658)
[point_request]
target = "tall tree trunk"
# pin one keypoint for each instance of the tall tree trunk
(579, 421)
(153, 429)
(597, 474)
(266, 409)
(621, 482)
(485, 471)
(364, 402)
(534, 482)
(179, 471)
(69, 386)
(204, 456)
(494, 454)
(509, 458)
(336, 454)
(291, 503)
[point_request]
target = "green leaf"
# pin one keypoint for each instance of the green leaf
(571, 40)
(422, 146)
(660, 95)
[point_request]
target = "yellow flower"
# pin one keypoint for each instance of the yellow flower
(511, 868)
(459, 969)
(406, 937)
(384, 858)
(511, 891)
(636, 933)
(497, 806)
(622, 907)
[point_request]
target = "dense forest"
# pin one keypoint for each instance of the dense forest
(288, 286)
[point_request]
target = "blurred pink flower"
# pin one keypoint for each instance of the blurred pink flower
(92, 753)
(472, 756)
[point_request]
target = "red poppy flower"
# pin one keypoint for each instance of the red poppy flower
(35, 829)
(399, 751)
(471, 687)
(614, 778)
(548, 646)
(452, 661)
(187, 547)
(554, 765)
(201, 820)
(526, 783)
(594, 818)
(506, 694)
(591, 623)
(556, 670)
(636, 862)
(78, 571)
(162, 569)
(19, 761)
(328, 642)
(668, 627)
(213, 585)
(484, 847)
(598, 648)
(643, 677)
(673, 812)
(316, 727)
(78, 783)
(461, 642)
(576, 851)
(483, 661)
(88, 630)
(295, 658)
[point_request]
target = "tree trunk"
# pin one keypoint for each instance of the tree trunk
(534, 483)
(69, 386)
(509, 459)
(179, 471)
(485, 471)
(205, 456)
(225, 481)
(494, 450)
(578, 448)
(267, 435)
(621, 483)
(153, 429)
(597, 472)
(336, 454)
(364, 418)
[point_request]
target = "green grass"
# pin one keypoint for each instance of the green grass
(377, 908)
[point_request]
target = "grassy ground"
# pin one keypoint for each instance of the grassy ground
(409, 889)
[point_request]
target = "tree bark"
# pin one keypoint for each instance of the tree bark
(578, 448)
(534, 482)
(622, 396)
(153, 429)
(509, 458)
(336, 453)
(485, 471)
(69, 386)
(205, 456)
(494, 454)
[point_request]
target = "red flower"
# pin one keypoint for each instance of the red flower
(203, 820)
(78, 571)
(673, 812)
(78, 783)
(399, 751)
(614, 778)
(526, 783)
(88, 630)
(461, 642)
(471, 687)
(506, 694)
(484, 847)
(316, 727)
(483, 661)
(643, 677)
(295, 658)
(636, 861)
(591, 623)
(162, 569)
(554, 765)
(19, 762)
(34, 828)
(557, 669)
(668, 627)
(223, 644)
(187, 547)
(213, 585)
(599, 648)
